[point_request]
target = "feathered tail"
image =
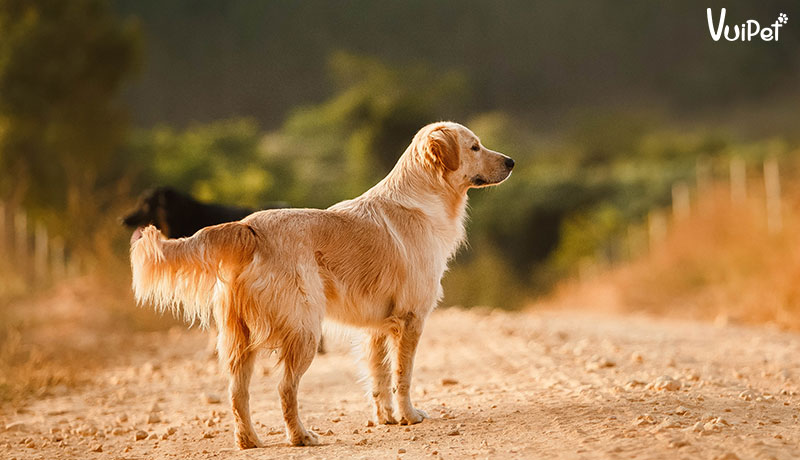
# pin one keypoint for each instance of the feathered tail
(194, 272)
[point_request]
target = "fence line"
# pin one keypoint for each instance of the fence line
(42, 259)
(684, 202)
(29, 249)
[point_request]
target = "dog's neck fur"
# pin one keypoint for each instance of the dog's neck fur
(418, 186)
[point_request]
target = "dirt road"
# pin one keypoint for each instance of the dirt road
(496, 385)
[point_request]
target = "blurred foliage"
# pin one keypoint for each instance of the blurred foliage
(220, 161)
(322, 154)
(346, 144)
(603, 106)
(259, 58)
(61, 67)
(571, 202)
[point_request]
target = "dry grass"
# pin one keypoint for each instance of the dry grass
(720, 263)
(30, 370)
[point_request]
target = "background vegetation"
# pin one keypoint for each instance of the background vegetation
(604, 105)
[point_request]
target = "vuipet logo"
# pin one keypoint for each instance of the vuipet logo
(746, 31)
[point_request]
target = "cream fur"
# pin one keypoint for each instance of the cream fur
(373, 262)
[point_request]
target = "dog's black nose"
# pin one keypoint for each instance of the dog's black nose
(509, 163)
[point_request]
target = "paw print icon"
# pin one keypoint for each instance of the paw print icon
(783, 18)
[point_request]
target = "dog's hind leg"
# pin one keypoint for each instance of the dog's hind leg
(406, 338)
(239, 359)
(297, 352)
(380, 373)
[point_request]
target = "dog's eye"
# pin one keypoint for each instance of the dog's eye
(476, 147)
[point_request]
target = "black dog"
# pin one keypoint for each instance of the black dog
(178, 215)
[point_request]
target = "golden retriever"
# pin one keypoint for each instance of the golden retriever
(374, 262)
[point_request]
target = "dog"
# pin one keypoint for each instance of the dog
(178, 215)
(373, 262)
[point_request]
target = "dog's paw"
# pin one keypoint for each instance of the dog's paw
(386, 419)
(305, 438)
(250, 441)
(384, 415)
(413, 417)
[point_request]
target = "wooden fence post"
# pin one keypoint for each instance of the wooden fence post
(703, 175)
(635, 241)
(772, 187)
(738, 172)
(57, 259)
(681, 206)
(21, 240)
(3, 233)
(40, 253)
(657, 228)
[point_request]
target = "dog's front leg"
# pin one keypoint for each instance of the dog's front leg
(407, 339)
(380, 373)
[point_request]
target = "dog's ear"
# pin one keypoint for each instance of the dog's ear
(442, 148)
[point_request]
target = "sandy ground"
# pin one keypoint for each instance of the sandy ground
(496, 385)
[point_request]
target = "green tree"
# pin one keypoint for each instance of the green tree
(221, 161)
(61, 67)
(346, 144)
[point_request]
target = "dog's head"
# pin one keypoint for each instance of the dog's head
(456, 153)
(150, 208)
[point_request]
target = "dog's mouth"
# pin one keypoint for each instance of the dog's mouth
(136, 234)
(479, 181)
